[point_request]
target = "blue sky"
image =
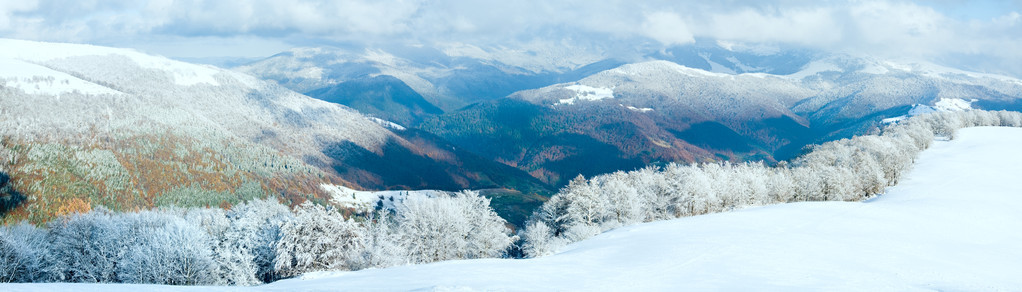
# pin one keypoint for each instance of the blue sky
(935, 29)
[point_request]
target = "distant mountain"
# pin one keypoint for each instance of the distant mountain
(629, 117)
(555, 114)
(84, 125)
(658, 111)
(734, 58)
(449, 76)
(382, 96)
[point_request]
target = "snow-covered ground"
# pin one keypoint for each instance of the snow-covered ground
(38, 52)
(368, 200)
(589, 93)
(942, 105)
(952, 224)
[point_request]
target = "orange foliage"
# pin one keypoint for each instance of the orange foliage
(73, 205)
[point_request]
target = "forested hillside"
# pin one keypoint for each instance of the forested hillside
(85, 126)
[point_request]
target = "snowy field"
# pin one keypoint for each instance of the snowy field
(952, 224)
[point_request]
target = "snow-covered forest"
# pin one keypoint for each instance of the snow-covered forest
(252, 243)
(262, 240)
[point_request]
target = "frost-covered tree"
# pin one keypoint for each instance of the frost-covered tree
(84, 248)
(22, 247)
(462, 226)
(383, 244)
(255, 229)
(318, 238)
(163, 249)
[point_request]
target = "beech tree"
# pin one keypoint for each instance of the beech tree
(318, 238)
(462, 226)
(161, 248)
(22, 247)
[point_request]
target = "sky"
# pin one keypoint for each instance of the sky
(980, 31)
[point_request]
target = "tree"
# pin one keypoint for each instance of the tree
(164, 249)
(22, 247)
(318, 238)
(462, 226)
(84, 248)
(255, 229)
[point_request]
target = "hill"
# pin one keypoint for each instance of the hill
(85, 125)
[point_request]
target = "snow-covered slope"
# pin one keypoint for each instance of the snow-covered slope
(950, 225)
(114, 127)
(168, 128)
(681, 91)
(80, 86)
(852, 88)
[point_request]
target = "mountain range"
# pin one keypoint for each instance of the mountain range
(84, 125)
(709, 101)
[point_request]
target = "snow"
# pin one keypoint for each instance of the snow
(660, 65)
(952, 104)
(814, 68)
(717, 67)
(367, 200)
(387, 124)
(743, 67)
(874, 69)
(941, 72)
(641, 110)
(942, 105)
(36, 79)
(952, 224)
(184, 74)
(588, 93)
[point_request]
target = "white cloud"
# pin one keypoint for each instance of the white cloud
(667, 28)
(799, 25)
(7, 8)
(883, 27)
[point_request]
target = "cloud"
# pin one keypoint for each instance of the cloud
(667, 28)
(7, 8)
(924, 28)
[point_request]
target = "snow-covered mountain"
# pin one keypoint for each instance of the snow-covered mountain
(827, 91)
(663, 86)
(64, 89)
(939, 229)
(447, 75)
(855, 89)
(92, 125)
(655, 111)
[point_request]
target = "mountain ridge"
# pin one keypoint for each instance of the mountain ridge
(130, 130)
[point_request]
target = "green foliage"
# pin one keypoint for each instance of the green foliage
(196, 196)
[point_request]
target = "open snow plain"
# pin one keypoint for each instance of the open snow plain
(952, 224)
